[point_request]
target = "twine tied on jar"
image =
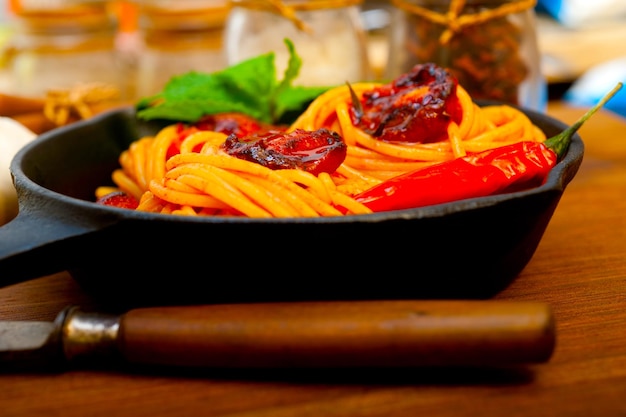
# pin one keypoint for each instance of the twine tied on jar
(289, 11)
(489, 46)
(454, 20)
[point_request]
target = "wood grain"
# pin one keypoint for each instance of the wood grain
(579, 268)
(346, 334)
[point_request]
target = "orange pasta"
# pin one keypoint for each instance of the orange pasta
(203, 180)
(480, 129)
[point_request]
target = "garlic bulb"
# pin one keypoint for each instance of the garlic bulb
(13, 136)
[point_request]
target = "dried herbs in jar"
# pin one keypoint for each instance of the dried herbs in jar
(489, 45)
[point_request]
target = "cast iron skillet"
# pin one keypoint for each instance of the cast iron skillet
(466, 249)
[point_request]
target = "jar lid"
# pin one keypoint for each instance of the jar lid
(42, 17)
(182, 15)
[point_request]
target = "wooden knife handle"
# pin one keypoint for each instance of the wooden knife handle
(340, 334)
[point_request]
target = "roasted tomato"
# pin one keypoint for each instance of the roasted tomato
(322, 150)
(118, 199)
(228, 123)
(416, 107)
(235, 123)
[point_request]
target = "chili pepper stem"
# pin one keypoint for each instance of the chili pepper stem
(559, 143)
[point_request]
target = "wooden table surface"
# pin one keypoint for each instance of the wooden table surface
(579, 268)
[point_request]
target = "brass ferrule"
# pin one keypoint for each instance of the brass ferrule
(88, 335)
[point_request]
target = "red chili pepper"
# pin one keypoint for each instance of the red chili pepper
(505, 169)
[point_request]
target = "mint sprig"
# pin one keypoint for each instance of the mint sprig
(249, 87)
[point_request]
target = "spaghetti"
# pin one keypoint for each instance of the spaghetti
(201, 179)
(480, 129)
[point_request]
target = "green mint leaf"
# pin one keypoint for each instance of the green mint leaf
(292, 102)
(293, 68)
(249, 87)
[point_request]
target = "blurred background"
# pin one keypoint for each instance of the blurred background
(120, 51)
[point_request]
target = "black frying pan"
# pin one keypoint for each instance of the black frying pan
(467, 249)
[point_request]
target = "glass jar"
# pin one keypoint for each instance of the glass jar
(59, 48)
(329, 37)
(178, 37)
(489, 45)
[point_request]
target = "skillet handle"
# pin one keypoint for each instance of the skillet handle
(33, 245)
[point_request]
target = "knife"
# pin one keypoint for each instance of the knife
(343, 334)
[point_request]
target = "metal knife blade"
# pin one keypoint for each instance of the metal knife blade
(29, 344)
(300, 334)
